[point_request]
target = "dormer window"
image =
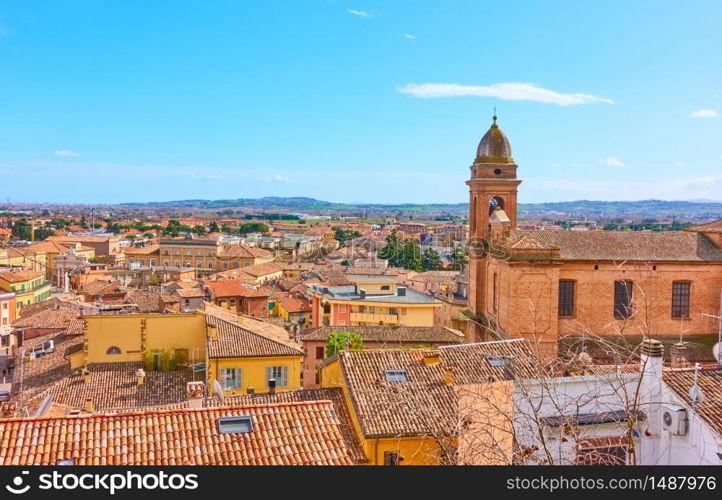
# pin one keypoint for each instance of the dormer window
(241, 424)
(395, 376)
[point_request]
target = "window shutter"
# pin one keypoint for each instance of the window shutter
(239, 378)
(284, 376)
(269, 374)
(223, 376)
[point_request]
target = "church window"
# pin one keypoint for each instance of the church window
(623, 299)
(566, 298)
(680, 299)
(495, 295)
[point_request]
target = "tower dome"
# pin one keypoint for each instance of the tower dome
(494, 147)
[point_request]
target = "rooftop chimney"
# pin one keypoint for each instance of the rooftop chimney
(140, 376)
(195, 391)
(430, 357)
(362, 293)
(401, 291)
(448, 377)
(678, 354)
(271, 386)
(213, 332)
(651, 364)
(86, 376)
(89, 404)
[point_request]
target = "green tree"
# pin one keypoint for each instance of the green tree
(253, 227)
(343, 235)
(392, 250)
(411, 257)
(338, 341)
(430, 260)
(199, 230)
(458, 259)
(214, 228)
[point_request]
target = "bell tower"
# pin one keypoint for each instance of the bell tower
(493, 187)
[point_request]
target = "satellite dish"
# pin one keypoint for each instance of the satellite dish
(716, 351)
(44, 406)
(696, 394)
(218, 391)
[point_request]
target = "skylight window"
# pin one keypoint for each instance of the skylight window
(396, 376)
(496, 361)
(240, 424)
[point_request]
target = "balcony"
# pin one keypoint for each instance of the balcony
(386, 319)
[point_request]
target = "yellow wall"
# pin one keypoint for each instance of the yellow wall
(254, 372)
(27, 292)
(416, 450)
(162, 332)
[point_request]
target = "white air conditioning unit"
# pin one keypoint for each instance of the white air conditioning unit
(674, 419)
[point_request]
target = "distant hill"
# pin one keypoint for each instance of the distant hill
(698, 209)
(701, 209)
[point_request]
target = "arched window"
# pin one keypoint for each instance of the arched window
(472, 215)
(113, 350)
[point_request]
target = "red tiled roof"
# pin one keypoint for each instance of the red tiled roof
(232, 288)
(675, 246)
(304, 433)
(710, 381)
(18, 276)
(295, 303)
(236, 341)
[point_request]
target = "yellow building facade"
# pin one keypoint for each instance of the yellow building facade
(384, 450)
(30, 287)
(197, 341)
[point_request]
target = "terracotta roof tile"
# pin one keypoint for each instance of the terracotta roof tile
(232, 288)
(710, 381)
(307, 433)
(335, 395)
(617, 245)
(18, 276)
(391, 334)
(236, 341)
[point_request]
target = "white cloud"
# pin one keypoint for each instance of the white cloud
(276, 178)
(66, 152)
(705, 187)
(704, 113)
(678, 164)
(360, 13)
(509, 91)
(409, 36)
(612, 161)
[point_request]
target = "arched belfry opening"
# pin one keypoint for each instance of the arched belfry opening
(494, 202)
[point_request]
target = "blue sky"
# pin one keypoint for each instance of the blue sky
(357, 101)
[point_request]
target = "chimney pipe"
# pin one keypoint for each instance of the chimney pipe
(86, 376)
(678, 355)
(271, 386)
(89, 404)
(195, 391)
(140, 376)
(651, 366)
